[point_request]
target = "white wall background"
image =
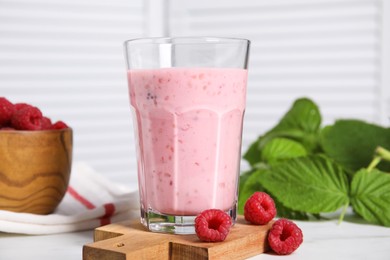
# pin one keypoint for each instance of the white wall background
(66, 57)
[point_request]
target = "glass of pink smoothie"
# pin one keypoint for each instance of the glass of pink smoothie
(188, 100)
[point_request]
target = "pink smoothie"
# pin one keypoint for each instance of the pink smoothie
(188, 124)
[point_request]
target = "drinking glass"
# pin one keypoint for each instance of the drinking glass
(188, 100)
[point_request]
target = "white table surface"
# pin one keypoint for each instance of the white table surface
(322, 240)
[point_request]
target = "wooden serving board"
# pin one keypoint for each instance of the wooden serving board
(131, 240)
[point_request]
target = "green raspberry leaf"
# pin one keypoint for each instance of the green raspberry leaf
(370, 196)
(352, 143)
(285, 212)
(301, 123)
(281, 149)
(303, 115)
(252, 155)
(311, 184)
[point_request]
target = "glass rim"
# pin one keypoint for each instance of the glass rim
(186, 40)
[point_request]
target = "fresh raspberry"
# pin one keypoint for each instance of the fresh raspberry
(259, 209)
(59, 125)
(285, 237)
(27, 118)
(6, 111)
(212, 225)
(46, 123)
(19, 106)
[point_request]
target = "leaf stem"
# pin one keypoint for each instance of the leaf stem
(343, 213)
(377, 159)
(380, 154)
(383, 153)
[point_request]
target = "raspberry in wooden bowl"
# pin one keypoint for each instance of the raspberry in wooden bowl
(35, 159)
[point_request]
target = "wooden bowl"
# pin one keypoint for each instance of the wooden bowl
(35, 169)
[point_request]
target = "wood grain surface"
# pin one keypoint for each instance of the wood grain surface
(130, 240)
(34, 169)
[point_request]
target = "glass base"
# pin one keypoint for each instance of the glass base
(182, 225)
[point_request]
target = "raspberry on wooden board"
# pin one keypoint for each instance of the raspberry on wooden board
(213, 225)
(259, 209)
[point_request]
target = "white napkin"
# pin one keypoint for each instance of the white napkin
(90, 201)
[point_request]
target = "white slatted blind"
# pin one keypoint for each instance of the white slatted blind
(66, 57)
(328, 50)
